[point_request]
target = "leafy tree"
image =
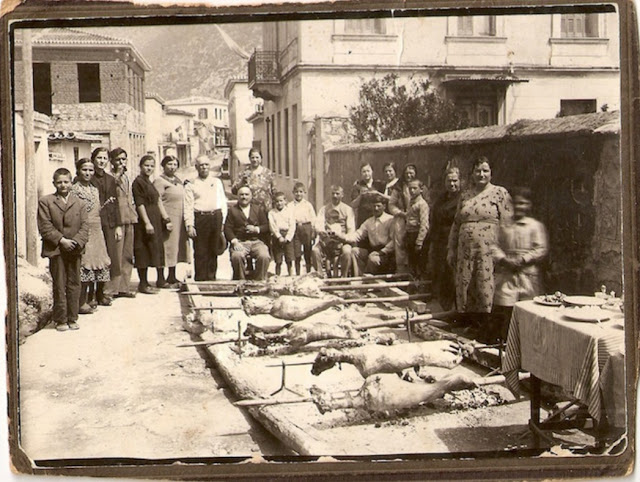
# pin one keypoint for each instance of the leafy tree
(388, 109)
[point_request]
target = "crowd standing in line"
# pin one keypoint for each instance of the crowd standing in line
(480, 248)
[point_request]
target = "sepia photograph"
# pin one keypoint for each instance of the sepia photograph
(320, 240)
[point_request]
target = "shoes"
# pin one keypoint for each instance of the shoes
(125, 294)
(106, 301)
(174, 286)
(147, 290)
(73, 325)
(86, 309)
(162, 284)
(62, 327)
(93, 304)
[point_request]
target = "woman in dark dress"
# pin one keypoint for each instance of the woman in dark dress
(110, 220)
(442, 214)
(148, 248)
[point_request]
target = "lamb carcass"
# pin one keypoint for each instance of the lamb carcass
(292, 308)
(386, 392)
(373, 359)
(302, 333)
(306, 285)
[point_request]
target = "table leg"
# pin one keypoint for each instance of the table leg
(534, 418)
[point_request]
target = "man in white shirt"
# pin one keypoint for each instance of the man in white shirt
(378, 231)
(205, 209)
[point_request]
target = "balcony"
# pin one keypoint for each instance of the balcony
(264, 74)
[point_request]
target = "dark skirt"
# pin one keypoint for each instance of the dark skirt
(148, 250)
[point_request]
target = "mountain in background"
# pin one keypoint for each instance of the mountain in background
(189, 60)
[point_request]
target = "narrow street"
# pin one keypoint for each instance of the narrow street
(119, 387)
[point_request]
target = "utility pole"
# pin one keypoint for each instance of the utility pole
(31, 182)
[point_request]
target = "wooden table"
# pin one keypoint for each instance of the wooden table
(583, 358)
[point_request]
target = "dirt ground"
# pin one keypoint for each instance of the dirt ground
(119, 387)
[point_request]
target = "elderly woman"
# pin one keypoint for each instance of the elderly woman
(95, 261)
(258, 178)
(399, 203)
(171, 191)
(442, 213)
(363, 194)
(482, 209)
(147, 246)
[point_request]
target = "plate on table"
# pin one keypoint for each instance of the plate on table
(584, 300)
(548, 300)
(591, 314)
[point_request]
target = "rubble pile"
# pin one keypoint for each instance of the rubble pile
(35, 299)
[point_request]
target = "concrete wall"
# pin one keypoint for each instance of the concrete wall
(242, 104)
(44, 179)
(154, 122)
(576, 194)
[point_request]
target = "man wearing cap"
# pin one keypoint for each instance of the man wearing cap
(205, 209)
(378, 231)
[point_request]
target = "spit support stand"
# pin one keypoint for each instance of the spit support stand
(239, 341)
(283, 382)
(407, 317)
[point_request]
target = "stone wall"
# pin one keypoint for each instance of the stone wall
(576, 193)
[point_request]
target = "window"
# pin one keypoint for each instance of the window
(287, 169)
(203, 114)
(294, 139)
(89, 82)
(482, 26)
(364, 25)
(42, 88)
(577, 106)
(279, 142)
(579, 25)
(76, 153)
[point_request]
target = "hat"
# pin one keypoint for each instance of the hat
(221, 244)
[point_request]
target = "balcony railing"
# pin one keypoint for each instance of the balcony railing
(264, 74)
(264, 67)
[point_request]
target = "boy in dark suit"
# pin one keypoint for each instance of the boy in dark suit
(247, 229)
(63, 225)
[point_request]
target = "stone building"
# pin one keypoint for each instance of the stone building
(210, 122)
(88, 83)
(498, 69)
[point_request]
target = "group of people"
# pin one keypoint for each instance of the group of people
(98, 225)
(482, 247)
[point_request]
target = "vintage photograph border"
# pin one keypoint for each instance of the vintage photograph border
(437, 466)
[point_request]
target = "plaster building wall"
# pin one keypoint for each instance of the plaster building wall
(242, 105)
(154, 123)
(42, 169)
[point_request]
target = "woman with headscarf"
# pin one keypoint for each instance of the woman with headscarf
(442, 213)
(94, 272)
